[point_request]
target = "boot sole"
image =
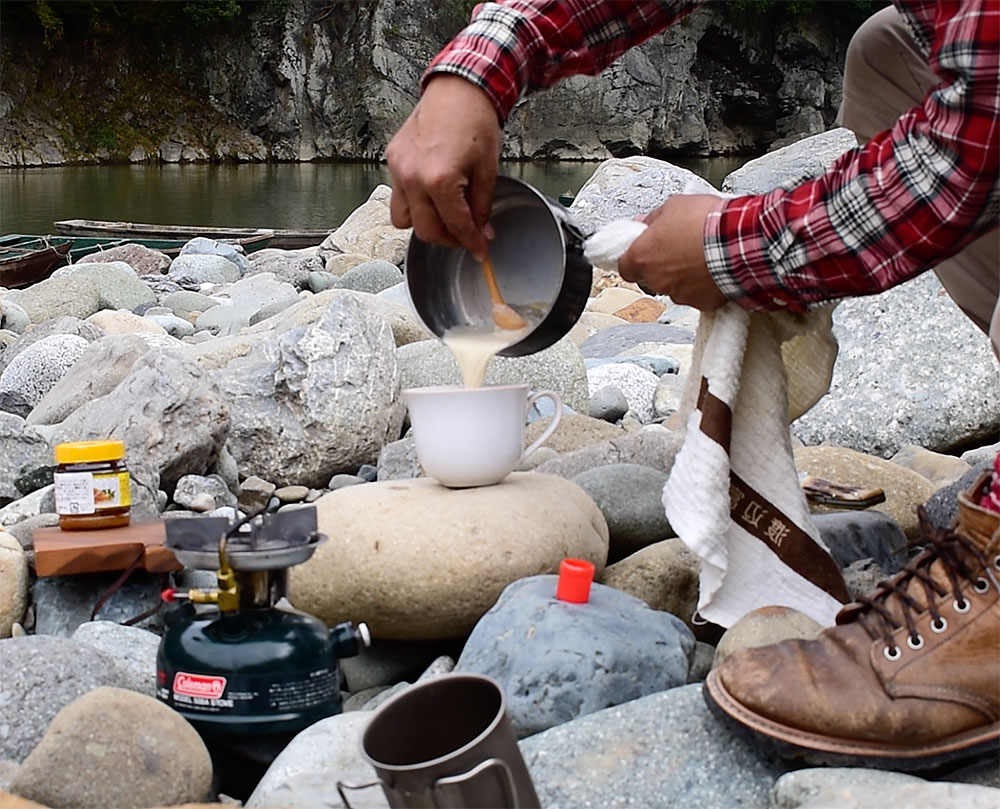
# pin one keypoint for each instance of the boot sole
(815, 748)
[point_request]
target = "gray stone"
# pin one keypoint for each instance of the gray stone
(979, 455)
(117, 284)
(287, 266)
(173, 325)
(620, 188)
(808, 157)
(398, 461)
(50, 326)
(637, 384)
(23, 450)
(40, 675)
(202, 246)
(855, 788)
(12, 317)
(862, 577)
(63, 603)
(942, 507)
(676, 753)
(319, 281)
(653, 448)
(611, 342)
(386, 663)
(608, 403)
(34, 371)
(557, 660)
(854, 535)
(630, 497)
(882, 400)
(291, 494)
(371, 276)
(667, 397)
(167, 411)
(133, 650)
(342, 480)
(255, 493)
(322, 754)
(315, 399)
(59, 297)
(212, 485)
(186, 302)
(203, 269)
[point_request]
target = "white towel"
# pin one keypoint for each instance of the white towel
(733, 495)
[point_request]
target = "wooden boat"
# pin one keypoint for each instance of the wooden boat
(24, 260)
(250, 238)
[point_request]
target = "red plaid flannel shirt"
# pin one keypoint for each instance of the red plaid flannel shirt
(883, 213)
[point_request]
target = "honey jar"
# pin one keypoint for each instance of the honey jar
(92, 485)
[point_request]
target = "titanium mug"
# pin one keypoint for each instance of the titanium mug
(447, 743)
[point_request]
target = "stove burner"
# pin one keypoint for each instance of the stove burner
(260, 542)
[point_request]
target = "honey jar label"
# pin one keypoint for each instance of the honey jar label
(88, 493)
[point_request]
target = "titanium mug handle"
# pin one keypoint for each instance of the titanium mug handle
(341, 786)
(507, 781)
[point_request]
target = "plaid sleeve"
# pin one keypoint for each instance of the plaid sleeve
(885, 212)
(515, 46)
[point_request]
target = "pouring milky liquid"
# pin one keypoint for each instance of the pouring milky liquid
(474, 346)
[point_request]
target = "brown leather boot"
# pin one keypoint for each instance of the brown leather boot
(909, 678)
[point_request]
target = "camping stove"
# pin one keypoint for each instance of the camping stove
(233, 662)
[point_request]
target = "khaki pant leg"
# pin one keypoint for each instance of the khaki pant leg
(886, 74)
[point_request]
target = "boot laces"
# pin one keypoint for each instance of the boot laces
(893, 604)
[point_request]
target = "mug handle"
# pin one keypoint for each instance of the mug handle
(552, 425)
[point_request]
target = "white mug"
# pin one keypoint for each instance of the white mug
(473, 436)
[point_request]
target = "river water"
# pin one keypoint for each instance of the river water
(274, 195)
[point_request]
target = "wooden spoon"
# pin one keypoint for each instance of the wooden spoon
(503, 316)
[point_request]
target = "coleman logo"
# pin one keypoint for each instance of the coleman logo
(199, 685)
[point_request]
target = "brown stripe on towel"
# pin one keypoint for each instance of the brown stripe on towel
(760, 518)
(716, 417)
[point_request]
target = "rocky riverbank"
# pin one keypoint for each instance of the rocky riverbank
(235, 379)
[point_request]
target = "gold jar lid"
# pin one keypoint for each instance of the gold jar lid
(89, 451)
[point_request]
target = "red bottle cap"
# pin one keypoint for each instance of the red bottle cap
(575, 576)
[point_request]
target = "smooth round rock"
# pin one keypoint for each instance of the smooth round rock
(664, 575)
(116, 748)
(417, 561)
(904, 489)
(631, 498)
(764, 626)
(558, 660)
(13, 583)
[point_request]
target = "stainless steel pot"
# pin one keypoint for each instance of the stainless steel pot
(539, 264)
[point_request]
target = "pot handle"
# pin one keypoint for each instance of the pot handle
(542, 394)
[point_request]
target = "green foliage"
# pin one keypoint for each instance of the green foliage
(850, 13)
(206, 13)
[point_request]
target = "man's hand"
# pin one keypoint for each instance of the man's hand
(443, 163)
(668, 258)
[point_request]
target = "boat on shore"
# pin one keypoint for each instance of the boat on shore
(251, 238)
(25, 260)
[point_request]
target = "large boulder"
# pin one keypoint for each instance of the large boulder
(315, 399)
(167, 411)
(370, 232)
(417, 561)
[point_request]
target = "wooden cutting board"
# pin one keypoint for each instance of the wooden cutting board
(63, 553)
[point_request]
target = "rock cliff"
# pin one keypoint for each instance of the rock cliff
(302, 80)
